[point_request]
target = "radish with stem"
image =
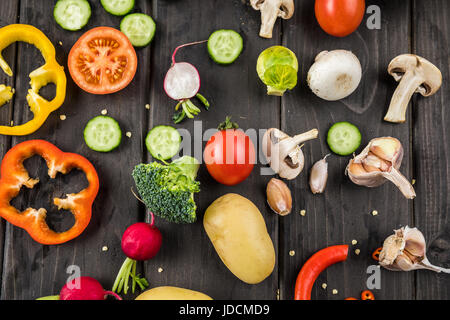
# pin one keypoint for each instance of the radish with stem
(182, 83)
(140, 241)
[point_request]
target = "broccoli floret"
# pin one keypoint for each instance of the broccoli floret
(168, 189)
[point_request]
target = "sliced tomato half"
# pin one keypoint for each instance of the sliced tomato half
(102, 61)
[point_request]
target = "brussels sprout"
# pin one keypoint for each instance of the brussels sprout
(277, 67)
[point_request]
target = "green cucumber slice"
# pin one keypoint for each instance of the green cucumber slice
(102, 134)
(72, 14)
(344, 138)
(163, 142)
(139, 28)
(118, 7)
(225, 46)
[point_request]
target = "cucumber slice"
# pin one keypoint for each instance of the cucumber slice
(344, 138)
(118, 7)
(139, 28)
(102, 134)
(72, 14)
(163, 142)
(225, 46)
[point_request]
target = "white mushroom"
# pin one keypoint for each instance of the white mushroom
(270, 11)
(283, 152)
(415, 74)
(334, 74)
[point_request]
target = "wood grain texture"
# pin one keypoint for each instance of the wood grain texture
(8, 15)
(432, 146)
(33, 270)
(343, 212)
(187, 256)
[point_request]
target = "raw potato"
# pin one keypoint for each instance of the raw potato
(172, 293)
(238, 232)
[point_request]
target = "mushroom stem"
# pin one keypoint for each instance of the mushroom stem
(300, 138)
(408, 85)
(401, 182)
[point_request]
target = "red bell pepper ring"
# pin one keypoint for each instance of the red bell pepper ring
(314, 266)
(14, 176)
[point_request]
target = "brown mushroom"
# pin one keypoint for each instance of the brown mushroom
(283, 152)
(415, 74)
(270, 10)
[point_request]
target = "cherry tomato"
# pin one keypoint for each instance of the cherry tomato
(376, 254)
(102, 61)
(340, 18)
(229, 156)
(367, 295)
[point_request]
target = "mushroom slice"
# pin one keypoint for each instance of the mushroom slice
(415, 74)
(270, 10)
(283, 152)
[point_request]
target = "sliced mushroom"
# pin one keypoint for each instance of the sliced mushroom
(284, 153)
(415, 74)
(270, 10)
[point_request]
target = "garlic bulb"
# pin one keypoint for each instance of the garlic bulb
(405, 250)
(379, 162)
(319, 176)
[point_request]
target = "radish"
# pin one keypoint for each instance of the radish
(182, 83)
(89, 289)
(140, 241)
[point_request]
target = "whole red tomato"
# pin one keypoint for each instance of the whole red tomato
(229, 155)
(340, 17)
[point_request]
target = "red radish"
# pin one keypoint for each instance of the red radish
(140, 241)
(182, 82)
(87, 289)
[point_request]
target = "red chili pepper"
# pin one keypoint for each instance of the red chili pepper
(351, 298)
(314, 266)
(14, 176)
(376, 254)
(367, 295)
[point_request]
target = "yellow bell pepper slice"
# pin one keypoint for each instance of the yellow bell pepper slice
(50, 72)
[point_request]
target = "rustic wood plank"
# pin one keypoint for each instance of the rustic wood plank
(342, 213)
(187, 256)
(8, 15)
(431, 29)
(33, 270)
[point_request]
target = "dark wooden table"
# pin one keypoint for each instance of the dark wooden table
(30, 270)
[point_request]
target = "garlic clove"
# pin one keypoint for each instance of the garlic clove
(279, 197)
(405, 250)
(386, 148)
(319, 176)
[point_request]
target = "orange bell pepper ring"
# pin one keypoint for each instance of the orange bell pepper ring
(14, 176)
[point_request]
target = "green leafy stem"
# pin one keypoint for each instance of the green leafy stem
(188, 109)
(127, 271)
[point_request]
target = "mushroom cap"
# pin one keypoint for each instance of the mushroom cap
(335, 74)
(432, 76)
